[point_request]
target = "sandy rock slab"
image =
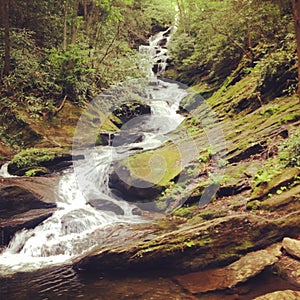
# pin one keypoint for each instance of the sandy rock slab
(281, 295)
(240, 271)
(292, 247)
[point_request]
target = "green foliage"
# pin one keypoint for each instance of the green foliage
(289, 151)
(214, 35)
(288, 156)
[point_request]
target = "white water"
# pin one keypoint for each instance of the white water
(57, 239)
(158, 54)
(4, 172)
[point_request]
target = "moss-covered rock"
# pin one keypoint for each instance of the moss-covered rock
(37, 161)
(192, 246)
(143, 176)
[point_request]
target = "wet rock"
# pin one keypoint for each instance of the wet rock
(20, 208)
(292, 247)
(26, 220)
(16, 200)
(143, 176)
(128, 111)
(240, 271)
(289, 269)
(124, 138)
(106, 205)
(280, 295)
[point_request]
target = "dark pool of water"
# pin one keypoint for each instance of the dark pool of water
(65, 283)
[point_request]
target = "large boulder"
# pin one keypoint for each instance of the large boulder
(143, 176)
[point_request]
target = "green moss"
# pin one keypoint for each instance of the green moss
(245, 245)
(185, 212)
(33, 157)
(212, 214)
(253, 205)
(37, 172)
(159, 166)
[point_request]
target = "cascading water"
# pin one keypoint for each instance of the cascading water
(66, 234)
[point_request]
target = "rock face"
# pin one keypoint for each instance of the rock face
(20, 208)
(280, 295)
(208, 244)
(240, 271)
(292, 247)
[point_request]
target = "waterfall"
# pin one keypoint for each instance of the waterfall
(157, 52)
(85, 203)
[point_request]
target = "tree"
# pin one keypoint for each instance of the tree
(296, 14)
(5, 23)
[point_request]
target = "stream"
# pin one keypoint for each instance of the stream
(37, 264)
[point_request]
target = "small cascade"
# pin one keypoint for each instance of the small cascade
(158, 52)
(4, 171)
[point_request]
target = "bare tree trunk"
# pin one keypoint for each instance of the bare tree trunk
(85, 11)
(296, 13)
(74, 21)
(182, 14)
(5, 23)
(67, 3)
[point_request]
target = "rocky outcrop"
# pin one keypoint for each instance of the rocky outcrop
(143, 176)
(192, 246)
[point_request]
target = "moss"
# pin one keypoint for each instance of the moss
(185, 212)
(286, 177)
(289, 200)
(212, 214)
(253, 205)
(158, 166)
(33, 157)
(37, 172)
(244, 246)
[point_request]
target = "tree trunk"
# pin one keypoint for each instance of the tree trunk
(67, 3)
(74, 21)
(296, 13)
(5, 24)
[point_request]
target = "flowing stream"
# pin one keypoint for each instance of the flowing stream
(65, 235)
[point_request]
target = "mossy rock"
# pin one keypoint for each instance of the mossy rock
(143, 176)
(288, 201)
(34, 161)
(287, 176)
